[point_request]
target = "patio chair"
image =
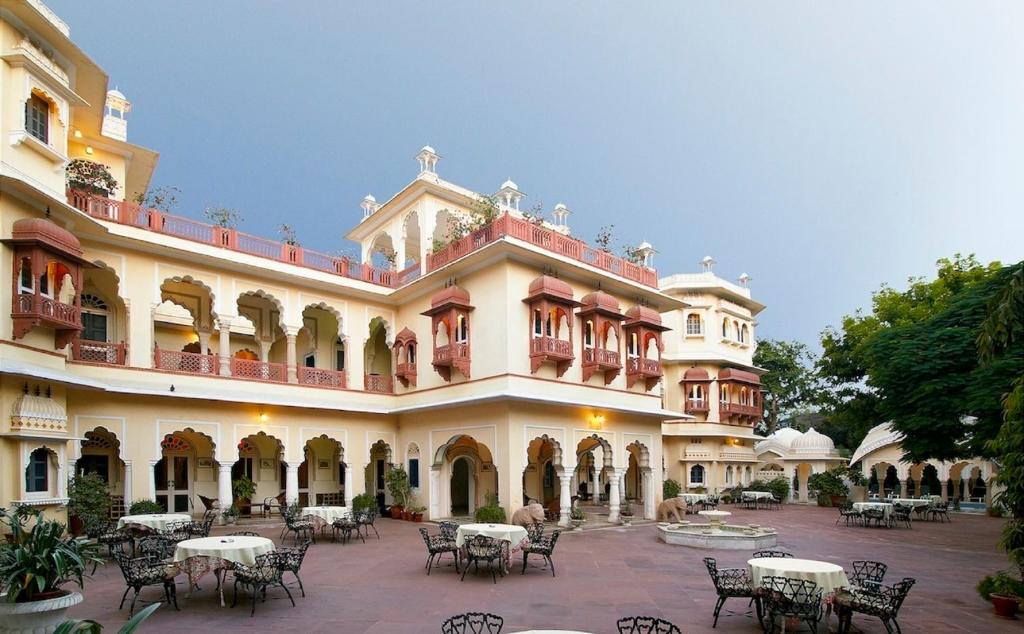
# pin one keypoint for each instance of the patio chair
(292, 561)
(200, 529)
(268, 571)
(365, 520)
(884, 604)
(345, 526)
(773, 503)
(900, 513)
(141, 572)
(798, 599)
(473, 623)
(939, 512)
(244, 534)
(177, 531)
(710, 502)
(873, 515)
(449, 530)
(763, 554)
(437, 545)
(278, 502)
(535, 531)
(868, 574)
(209, 504)
(847, 513)
(646, 625)
(483, 548)
(299, 527)
(111, 536)
(157, 547)
(543, 546)
(730, 583)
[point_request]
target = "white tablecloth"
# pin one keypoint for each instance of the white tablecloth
(828, 576)
(756, 495)
(240, 549)
(910, 502)
(693, 497)
(884, 507)
(156, 521)
(505, 532)
(327, 513)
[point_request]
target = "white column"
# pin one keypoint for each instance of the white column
(291, 483)
(127, 483)
(152, 480)
(204, 341)
(224, 486)
(565, 500)
(903, 487)
(435, 494)
(349, 489)
(291, 355)
(224, 340)
(613, 495)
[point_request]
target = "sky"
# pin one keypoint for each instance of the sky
(822, 148)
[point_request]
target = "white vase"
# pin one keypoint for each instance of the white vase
(36, 617)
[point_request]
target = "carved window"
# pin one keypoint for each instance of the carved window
(725, 328)
(37, 474)
(37, 118)
(723, 394)
(25, 282)
(693, 324)
(410, 353)
(696, 474)
(461, 330)
(174, 444)
(588, 334)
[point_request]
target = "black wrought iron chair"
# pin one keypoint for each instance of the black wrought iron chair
(483, 548)
(437, 546)
(365, 519)
(730, 583)
(763, 554)
(773, 503)
(847, 514)
(267, 571)
(177, 531)
(646, 625)
(874, 515)
(798, 599)
(535, 531)
(113, 537)
(200, 529)
(473, 623)
(900, 514)
(244, 534)
(542, 546)
(345, 526)
(710, 502)
(449, 530)
(940, 511)
(292, 561)
(299, 527)
(156, 547)
(884, 603)
(141, 572)
(868, 574)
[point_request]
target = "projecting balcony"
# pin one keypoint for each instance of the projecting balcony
(696, 406)
(318, 377)
(747, 414)
(601, 360)
(406, 373)
(450, 354)
(185, 362)
(639, 368)
(378, 383)
(47, 311)
(99, 352)
(552, 349)
(259, 370)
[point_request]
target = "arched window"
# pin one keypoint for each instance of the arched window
(461, 330)
(634, 344)
(410, 353)
(538, 323)
(26, 284)
(94, 318)
(37, 478)
(413, 459)
(728, 474)
(743, 396)
(548, 324)
(736, 329)
(723, 394)
(696, 474)
(588, 334)
(697, 392)
(745, 334)
(339, 355)
(725, 329)
(37, 118)
(693, 324)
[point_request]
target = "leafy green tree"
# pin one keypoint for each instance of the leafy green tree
(790, 384)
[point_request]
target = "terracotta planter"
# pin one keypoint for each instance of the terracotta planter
(1006, 607)
(76, 525)
(36, 616)
(396, 512)
(837, 500)
(417, 517)
(407, 516)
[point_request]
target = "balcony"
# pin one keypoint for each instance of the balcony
(318, 377)
(509, 226)
(450, 353)
(103, 352)
(746, 414)
(649, 370)
(259, 370)
(185, 362)
(603, 359)
(46, 311)
(134, 215)
(406, 373)
(378, 383)
(696, 405)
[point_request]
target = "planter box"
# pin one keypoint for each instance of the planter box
(36, 617)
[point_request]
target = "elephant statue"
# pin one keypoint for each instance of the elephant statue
(674, 506)
(529, 514)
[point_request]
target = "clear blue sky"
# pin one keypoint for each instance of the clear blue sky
(820, 147)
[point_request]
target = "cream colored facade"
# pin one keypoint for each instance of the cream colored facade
(198, 354)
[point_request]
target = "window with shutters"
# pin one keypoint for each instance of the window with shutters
(36, 480)
(37, 118)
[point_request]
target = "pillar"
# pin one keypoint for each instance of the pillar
(224, 494)
(291, 483)
(224, 339)
(349, 489)
(291, 356)
(613, 495)
(435, 494)
(204, 341)
(127, 483)
(565, 499)
(903, 487)
(804, 497)
(152, 479)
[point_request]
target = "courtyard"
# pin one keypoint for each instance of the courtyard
(603, 574)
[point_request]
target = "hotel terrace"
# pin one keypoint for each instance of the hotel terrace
(172, 356)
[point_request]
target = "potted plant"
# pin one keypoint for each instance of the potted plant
(230, 515)
(577, 517)
(397, 481)
(144, 507)
(243, 489)
(91, 177)
(88, 503)
(36, 561)
(491, 512)
(362, 502)
(670, 489)
(1003, 591)
(74, 626)
(626, 513)
(828, 487)
(417, 512)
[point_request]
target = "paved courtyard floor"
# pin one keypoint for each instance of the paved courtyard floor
(381, 586)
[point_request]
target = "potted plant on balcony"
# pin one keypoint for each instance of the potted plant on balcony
(91, 177)
(577, 518)
(243, 489)
(1003, 591)
(397, 481)
(88, 502)
(36, 560)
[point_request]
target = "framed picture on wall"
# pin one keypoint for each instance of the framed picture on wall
(266, 463)
(323, 464)
(205, 463)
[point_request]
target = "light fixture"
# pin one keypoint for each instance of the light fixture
(78, 134)
(263, 417)
(597, 421)
(88, 149)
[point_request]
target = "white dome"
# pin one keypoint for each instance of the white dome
(510, 184)
(427, 148)
(370, 199)
(116, 94)
(785, 436)
(813, 442)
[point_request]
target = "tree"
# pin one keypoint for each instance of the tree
(789, 385)
(163, 198)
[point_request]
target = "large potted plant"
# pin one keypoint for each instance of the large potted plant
(397, 481)
(1003, 591)
(577, 517)
(89, 503)
(828, 487)
(91, 177)
(37, 559)
(243, 489)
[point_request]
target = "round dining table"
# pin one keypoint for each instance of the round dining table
(828, 576)
(884, 507)
(325, 515)
(693, 498)
(155, 521)
(516, 536)
(197, 557)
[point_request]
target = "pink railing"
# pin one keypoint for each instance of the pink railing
(551, 346)
(405, 369)
(696, 405)
(601, 356)
(322, 378)
(636, 365)
(259, 370)
(47, 308)
(506, 225)
(451, 351)
(128, 213)
(377, 383)
(185, 362)
(99, 351)
(742, 410)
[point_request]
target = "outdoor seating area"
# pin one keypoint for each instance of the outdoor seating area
(894, 513)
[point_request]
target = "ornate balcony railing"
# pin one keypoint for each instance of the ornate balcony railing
(647, 367)
(134, 215)
(507, 225)
(323, 378)
(740, 410)
(551, 346)
(450, 352)
(259, 370)
(185, 362)
(48, 309)
(602, 357)
(99, 352)
(696, 405)
(378, 383)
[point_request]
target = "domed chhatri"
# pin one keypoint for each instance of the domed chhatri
(601, 301)
(548, 286)
(48, 233)
(813, 441)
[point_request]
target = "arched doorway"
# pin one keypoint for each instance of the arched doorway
(186, 456)
(100, 453)
(260, 459)
(463, 476)
(376, 473)
(639, 479)
(462, 487)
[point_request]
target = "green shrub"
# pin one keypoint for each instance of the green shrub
(1001, 584)
(490, 513)
(144, 507)
(824, 500)
(398, 485)
(828, 483)
(779, 487)
(363, 501)
(670, 489)
(243, 488)
(89, 500)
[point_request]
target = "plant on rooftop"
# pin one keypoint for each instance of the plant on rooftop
(288, 235)
(605, 237)
(163, 198)
(91, 177)
(223, 217)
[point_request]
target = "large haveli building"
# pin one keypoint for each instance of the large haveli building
(488, 352)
